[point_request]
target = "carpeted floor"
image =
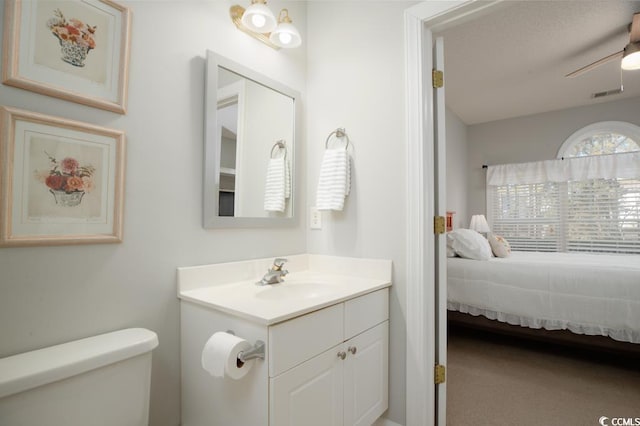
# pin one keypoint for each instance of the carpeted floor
(506, 381)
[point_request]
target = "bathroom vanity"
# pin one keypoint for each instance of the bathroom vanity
(326, 333)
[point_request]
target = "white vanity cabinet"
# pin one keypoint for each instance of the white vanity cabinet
(334, 369)
(326, 339)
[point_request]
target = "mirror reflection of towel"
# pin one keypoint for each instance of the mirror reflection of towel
(277, 186)
(287, 179)
(334, 182)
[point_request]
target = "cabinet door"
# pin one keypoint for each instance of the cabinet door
(310, 394)
(366, 376)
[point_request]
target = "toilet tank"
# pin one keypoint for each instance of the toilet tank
(98, 381)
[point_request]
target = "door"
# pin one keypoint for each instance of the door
(230, 137)
(366, 376)
(310, 394)
(440, 207)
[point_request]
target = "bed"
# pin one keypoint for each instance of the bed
(586, 294)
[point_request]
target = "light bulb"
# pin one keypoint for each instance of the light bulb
(285, 38)
(285, 34)
(631, 57)
(258, 20)
(631, 62)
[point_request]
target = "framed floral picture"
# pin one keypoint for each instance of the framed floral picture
(61, 181)
(76, 50)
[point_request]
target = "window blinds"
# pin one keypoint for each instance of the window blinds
(603, 215)
(527, 215)
(567, 208)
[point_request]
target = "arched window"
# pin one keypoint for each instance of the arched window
(606, 137)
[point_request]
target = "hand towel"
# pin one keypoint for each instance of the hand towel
(275, 185)
(287, 179)
(334, 183)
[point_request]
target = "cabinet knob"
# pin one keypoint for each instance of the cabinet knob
(352, 349)
(342, 354)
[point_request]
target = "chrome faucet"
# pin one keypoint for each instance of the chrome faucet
(275, 274)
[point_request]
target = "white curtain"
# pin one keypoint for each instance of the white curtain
(613, 166)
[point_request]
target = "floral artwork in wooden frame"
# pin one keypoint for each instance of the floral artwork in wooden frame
(77, 50)
(61, 181)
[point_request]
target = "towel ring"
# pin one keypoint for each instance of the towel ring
(281, 144)
(340, 133)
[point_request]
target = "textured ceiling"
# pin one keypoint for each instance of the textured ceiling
(512, 62)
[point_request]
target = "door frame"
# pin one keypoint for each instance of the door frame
(420, 22)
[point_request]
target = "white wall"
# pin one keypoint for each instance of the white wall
(532, 138)
(356, 80)
(457, 169)
(50, 295)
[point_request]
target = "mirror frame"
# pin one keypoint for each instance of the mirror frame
(211, 166)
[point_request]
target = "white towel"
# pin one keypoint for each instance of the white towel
(276, 185)
(334, 183)
(287, 179)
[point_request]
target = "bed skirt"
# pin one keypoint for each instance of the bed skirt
(611, 349)
(631, 336)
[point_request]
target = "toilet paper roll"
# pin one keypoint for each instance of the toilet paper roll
(220, 356)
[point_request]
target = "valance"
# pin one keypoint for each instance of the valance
(626, 165)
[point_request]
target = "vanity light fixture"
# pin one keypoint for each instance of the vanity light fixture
(259, 22)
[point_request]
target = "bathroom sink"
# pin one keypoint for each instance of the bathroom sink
(231, 288)
(302, 291)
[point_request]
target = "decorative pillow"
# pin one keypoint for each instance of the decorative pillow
(499, 245)
(451, 252)
(469, 244)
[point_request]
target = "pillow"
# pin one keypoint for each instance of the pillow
(451, 252)
(469, 244)
(499, 245)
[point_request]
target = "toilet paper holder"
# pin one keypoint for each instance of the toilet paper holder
(257, 351)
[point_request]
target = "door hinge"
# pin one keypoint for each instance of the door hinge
(439, 374)
(439, 226)
(437, 79)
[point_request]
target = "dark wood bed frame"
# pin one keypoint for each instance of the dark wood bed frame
(600, 344)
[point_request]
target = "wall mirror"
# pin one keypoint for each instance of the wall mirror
(250, 141)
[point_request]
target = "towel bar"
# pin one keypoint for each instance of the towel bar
(340, 133)
(281, 144)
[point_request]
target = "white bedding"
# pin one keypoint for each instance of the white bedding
(594, 294)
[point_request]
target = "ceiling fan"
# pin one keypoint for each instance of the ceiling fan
(630, 54)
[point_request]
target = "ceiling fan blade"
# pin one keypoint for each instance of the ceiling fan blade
(595, 64)
(634, 34)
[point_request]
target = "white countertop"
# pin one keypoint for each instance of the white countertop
(305, 288)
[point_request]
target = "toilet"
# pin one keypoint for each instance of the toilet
(102, 380)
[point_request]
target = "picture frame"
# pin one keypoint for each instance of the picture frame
(76, 50)
(61, 181)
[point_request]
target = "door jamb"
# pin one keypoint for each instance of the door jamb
(420, 21)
